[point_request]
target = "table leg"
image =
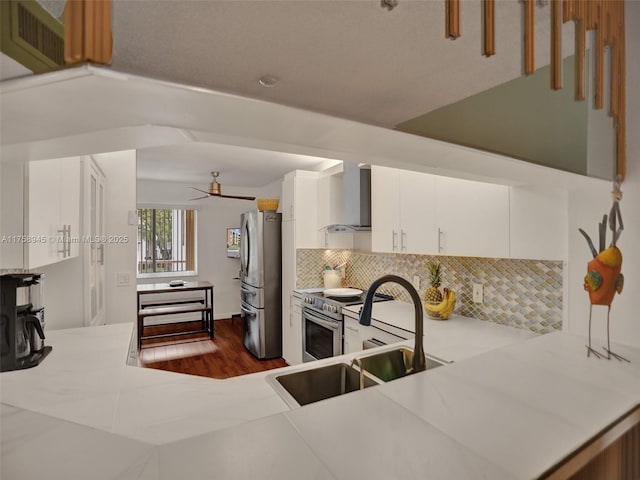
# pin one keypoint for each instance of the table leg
(140, 327)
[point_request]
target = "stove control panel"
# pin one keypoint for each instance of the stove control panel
(322, 304)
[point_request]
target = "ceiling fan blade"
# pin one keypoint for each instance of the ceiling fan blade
(238, 197)
(209, 194)
(202, 191)
(199, 198)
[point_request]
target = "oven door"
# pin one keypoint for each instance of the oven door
(321, 336)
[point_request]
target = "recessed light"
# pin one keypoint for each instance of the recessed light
(268, 81)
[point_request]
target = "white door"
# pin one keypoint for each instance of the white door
(94, 221)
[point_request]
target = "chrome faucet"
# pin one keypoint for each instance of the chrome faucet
(419, 362)
(357, 361)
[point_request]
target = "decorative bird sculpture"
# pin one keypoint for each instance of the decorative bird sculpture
(604, 278)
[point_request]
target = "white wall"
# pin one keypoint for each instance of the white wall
(120, 258)
(214, 215)
(587, 206)
(11, 209)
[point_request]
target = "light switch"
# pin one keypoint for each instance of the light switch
(478, 292)
(124, 279)
(133, 217)
(416, 282)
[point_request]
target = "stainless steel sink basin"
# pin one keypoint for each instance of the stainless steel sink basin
(393, 364)
(313, 385)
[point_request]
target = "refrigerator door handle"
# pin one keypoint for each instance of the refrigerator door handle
(243, 251)
(247, 249)
(246, 310)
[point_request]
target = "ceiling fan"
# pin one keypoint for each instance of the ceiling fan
(214, 190)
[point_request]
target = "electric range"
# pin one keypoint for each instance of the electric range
(323, 325)
(332, 306)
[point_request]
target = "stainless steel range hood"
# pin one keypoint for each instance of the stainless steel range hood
(357, 200)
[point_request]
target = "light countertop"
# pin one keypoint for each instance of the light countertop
(454, 339)
(511, 412)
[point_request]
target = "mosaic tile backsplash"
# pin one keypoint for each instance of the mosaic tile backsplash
(521, 293)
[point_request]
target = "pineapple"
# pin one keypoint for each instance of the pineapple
(433, 293)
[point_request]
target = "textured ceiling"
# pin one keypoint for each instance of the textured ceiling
(351, 59)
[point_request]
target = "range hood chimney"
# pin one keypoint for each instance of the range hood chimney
(357, 199)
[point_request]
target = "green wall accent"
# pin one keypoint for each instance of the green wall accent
(523, 118)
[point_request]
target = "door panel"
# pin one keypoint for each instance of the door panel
(252, 329)
(95, 313)
(250, 248)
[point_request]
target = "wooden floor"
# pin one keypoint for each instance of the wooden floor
(223, 357)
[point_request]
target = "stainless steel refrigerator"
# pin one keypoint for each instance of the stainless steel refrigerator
(261, 287)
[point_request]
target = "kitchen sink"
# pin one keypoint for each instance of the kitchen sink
(393, 364)
(313, 385)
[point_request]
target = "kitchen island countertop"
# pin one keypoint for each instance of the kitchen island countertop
(512, 412)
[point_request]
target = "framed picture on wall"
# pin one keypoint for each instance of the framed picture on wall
(233, 242)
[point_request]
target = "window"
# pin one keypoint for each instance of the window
(166, 241)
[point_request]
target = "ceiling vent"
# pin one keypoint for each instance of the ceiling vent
(32, 36)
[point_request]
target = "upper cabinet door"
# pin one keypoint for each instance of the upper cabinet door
(418, 222)
(287, 200)
(53, 210)
(385, 209)
(473, 218)
(44, 212)
(538, 223)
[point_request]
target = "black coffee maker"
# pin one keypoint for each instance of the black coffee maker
(22, 321)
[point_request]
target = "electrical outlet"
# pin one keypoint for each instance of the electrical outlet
(416, 282)
(478, 292)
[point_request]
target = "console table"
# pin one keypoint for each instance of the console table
(201, 302)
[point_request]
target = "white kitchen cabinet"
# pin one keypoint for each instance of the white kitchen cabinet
(352, 339)
(385, 208)
(330, 200)
(418, 213)
(300, 204)
(292, 333)
(472, 218)
(299, 230)
(53, 210)
(402, 211)
(414, 212)
(287, 198)
(538, 223)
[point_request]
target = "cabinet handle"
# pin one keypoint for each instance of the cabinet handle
(66, 241)
(69, 242)
(394, 240)
(440, 247)
(101, 247)
(403, 243)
